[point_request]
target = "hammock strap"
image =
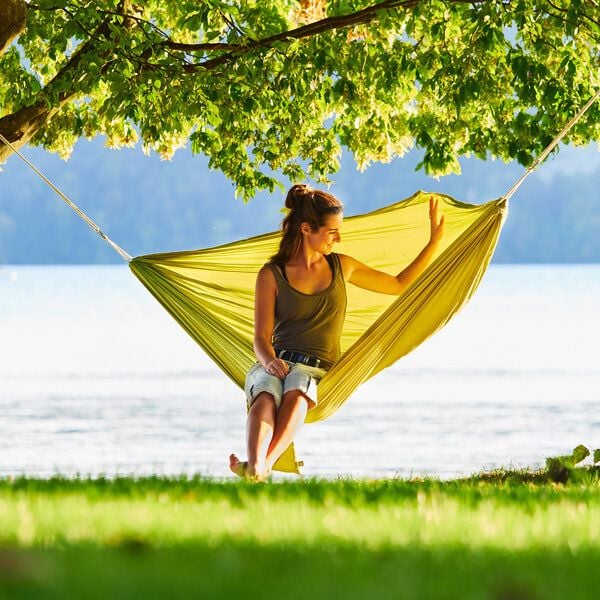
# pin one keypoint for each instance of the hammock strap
(551, 146)
(126, 257)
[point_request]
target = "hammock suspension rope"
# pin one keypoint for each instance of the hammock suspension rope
(551, 146)
(126, 257)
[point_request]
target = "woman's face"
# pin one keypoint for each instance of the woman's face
(323, 239)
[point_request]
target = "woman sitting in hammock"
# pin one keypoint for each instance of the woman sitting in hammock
(300, 305)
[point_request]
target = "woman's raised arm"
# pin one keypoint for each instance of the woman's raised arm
(368, 278)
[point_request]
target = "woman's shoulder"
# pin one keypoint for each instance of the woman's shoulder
(346, 264)
(267, 270)
(268, 274)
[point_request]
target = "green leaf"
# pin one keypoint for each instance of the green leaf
(580, 453)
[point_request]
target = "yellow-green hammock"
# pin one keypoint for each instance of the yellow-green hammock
(210, 292)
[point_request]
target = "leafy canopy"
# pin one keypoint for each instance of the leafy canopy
(263, 91)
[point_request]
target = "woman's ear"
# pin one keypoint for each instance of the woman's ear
(305, 228)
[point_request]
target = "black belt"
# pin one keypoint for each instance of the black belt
(298, 357)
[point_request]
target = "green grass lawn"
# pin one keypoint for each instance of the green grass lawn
(505, 536)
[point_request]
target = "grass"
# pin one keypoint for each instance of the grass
(502, 535)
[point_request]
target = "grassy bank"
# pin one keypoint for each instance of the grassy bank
(503, 536)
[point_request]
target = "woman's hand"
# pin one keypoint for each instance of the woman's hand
(277, 367)
(367, 278)
(437, 224)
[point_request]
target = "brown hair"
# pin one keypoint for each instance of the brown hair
(305, 206)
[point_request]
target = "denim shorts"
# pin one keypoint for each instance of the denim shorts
(300, 377)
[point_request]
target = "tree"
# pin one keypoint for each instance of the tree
(276, 88)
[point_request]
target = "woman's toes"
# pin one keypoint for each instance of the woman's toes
(238, 467)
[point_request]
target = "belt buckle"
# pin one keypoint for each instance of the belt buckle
(304, 359)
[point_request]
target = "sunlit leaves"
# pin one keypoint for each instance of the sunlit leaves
(454, 78)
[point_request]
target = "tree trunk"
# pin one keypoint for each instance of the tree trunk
(12, 21)
(20, 126)
(12, 24)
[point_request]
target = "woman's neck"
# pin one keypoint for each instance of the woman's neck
(305, 258)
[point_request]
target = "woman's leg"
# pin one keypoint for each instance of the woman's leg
(288, 421)
(260, 424)
(269, 431)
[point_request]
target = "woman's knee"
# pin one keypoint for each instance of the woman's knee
(299, 398)
(264, 402)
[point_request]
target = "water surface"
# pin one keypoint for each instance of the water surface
(96, 378)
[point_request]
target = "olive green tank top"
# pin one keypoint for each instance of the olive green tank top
(310, 323)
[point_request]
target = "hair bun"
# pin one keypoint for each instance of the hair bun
(298, 193)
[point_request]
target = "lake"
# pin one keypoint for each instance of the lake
(96, 378)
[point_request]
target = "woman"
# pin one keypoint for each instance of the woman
(300, 304)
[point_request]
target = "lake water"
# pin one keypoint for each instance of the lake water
(96, 378)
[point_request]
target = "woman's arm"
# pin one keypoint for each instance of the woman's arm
(264, 322)
(365, 277)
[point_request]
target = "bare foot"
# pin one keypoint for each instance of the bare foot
(245, 471)
(256, 473)
(237, 466)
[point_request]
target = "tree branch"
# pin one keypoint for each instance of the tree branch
(360, 17)
(565, 11)
(328, 24)
(20, 126)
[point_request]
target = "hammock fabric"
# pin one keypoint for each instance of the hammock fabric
(210, 292)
